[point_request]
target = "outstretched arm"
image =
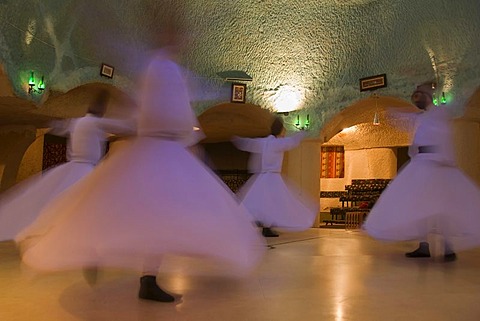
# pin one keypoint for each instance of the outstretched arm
(252, 145)
(60, 127)
(290, 142)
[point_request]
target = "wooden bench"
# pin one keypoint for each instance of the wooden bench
(357, 200)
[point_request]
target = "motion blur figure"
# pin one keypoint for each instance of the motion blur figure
(430, 195)
(87, 138)
(272, 200)
(150, 198)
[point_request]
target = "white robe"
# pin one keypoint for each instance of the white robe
(149, 198)
(21, 205)
(272, 200)
(430, 194)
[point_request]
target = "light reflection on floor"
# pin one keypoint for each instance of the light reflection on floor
(319, 274)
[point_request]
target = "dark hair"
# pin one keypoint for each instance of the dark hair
(277, 126)
(427, 90)
(98, 107)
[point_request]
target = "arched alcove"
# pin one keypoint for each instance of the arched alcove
(219, 124)
(222, 121)
(391, 111)
(31, 117)
(73, 103)
(370, 151)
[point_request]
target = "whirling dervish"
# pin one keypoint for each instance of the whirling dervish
(430, 195)
(149, 198)
(272, 200)
(87, 137)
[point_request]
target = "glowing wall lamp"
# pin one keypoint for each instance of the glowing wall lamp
(436, 101)
(443, 100)
(31, 84)
(306, 123)
(287, 99)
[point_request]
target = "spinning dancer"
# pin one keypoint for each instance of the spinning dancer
(21, 205)
(149, 198)
(430, 194)
(271, 200)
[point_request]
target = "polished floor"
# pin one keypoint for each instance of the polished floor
(319, 274)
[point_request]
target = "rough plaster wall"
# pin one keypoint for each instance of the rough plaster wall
(372, 136)
(370, 163)
(14, 141)
(314, 51)
(361, 164)
(302, 166)
(32, 159)
(467, 146)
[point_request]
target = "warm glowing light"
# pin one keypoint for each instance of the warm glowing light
(179, 282)
(339, 313)
(287, 99)
(347, 130)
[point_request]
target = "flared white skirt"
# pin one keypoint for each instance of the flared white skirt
(149, 198)
(276, 203)
(428, 197)
(21, 205)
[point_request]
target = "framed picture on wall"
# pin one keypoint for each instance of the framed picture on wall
(238, 93)
(374, 82)
(106, 71)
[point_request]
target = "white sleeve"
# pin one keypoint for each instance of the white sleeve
(253, 145)
(60, 127)
(288, 143)
(125, 127)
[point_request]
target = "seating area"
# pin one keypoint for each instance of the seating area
(356, 201)
(234, 179)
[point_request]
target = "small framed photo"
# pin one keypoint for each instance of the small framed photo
(238, 93)
(107, 71)
(374, 82)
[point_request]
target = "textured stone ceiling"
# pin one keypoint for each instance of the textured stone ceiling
(301, 54)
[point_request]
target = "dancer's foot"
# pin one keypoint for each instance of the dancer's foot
(422, 251)
(149, 290)
(450, 257)
(267, 232)
(90, 275)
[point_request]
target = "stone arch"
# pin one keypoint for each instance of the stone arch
(393, 114)
(31, 117)
(222, 121)
(74, 102)
(370, 151)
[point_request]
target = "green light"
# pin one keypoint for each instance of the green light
(31, 80)
(41, 84)
(443, 99)
(307, 122)
(298, 121)
(435, 100)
